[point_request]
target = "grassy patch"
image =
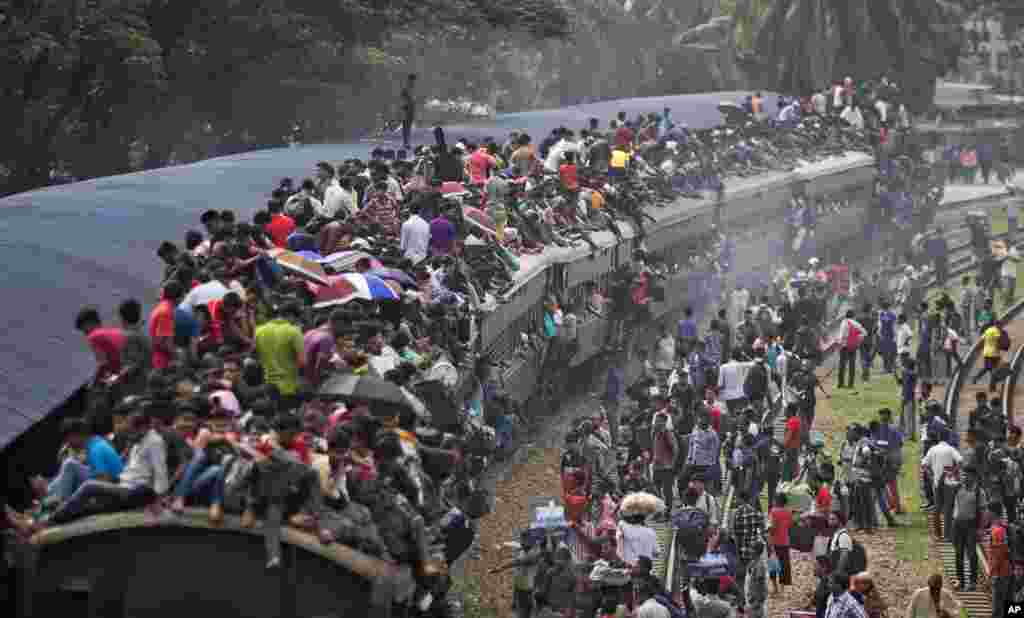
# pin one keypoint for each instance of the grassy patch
(534, 455)
(468, 590)
(861, 405)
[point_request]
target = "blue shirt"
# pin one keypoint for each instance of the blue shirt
(687, 329)
(704, 448)
(186, 326)
(101, 458)
(936, 247)
(890, 434)
(613, 385)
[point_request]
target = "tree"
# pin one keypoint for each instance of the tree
(89, 83)
(805, 44)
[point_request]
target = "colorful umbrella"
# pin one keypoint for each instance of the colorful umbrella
(341, 289)
(393, 274)
(479, 219)
(299, 265)
(372, 389)
(312, 256)
(344, 261)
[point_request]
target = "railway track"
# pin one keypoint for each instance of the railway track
(978, 603)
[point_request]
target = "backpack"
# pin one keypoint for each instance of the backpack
(1004, 340)
(855, 337)
(691, 525)
(966, 506)
(755, 386)
(858, 559)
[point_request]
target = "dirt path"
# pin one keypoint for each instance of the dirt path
(534, 472)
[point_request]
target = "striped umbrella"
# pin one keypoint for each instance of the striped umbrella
(344, 261)
(299, 265)
(341, 289)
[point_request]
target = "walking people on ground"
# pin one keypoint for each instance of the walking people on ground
(995, 343)
(941, 463)
(887, 333)
(907, 379)
(747, 528)
(933, 601)
(666, 459)
(851, 336)
(999, 559)
(968, 506)
(780, 522)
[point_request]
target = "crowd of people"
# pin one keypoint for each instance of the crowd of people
(356, 406)
(706, 401)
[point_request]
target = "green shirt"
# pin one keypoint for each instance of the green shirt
(279, 344)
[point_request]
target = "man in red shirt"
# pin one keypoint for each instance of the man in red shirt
(999, 557)
(281, 225)
(568, 174)
(106, 343)
(481, 163)
(791, 443)
(161, 325)
(624, 136)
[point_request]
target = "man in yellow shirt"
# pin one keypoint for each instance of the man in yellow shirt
(991, 354)
(281, 350)
(619, 163)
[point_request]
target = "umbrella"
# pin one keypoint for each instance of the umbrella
(392, 274)
(340, 289)
(372, 389)
(312, 256)
(479, 219)
(299, 265)
(343, 261)
(453, 189)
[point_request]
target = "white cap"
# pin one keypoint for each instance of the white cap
(813, 261)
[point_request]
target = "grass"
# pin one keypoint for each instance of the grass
(861, 406)
(534, 455)
(468, 589)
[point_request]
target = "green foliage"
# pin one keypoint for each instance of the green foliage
(806, 43)
(86, 82)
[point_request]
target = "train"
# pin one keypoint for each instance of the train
(120, 565)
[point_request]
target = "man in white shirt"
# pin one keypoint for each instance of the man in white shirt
(730, 383)
(215, 289)
(820, 102)
(334, 200)
(665, 352)
(415, 237)
(850, 331)
(853, 116)
(564, 145)
(904, 337)
(882, 108)
(383, 357)
(940, 459)
(739, 301)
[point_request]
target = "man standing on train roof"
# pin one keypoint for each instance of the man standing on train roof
(408, 102)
